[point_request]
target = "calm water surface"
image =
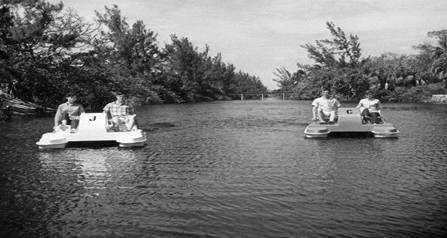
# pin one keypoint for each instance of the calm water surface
(230, 169)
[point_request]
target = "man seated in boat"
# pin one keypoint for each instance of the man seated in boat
(324, 108)
(68, 113)
(370, 109)
(121, 114)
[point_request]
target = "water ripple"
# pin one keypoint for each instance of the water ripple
(230, 169)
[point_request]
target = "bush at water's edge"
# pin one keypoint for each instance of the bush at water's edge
(418, 94)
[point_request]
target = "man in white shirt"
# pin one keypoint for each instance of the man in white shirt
(369, 109)
(325, 107)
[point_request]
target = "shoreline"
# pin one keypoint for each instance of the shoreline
(31, 110)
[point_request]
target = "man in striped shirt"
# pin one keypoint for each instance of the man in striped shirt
(121, 114)
(370, 109)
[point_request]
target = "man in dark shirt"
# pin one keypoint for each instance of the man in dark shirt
(69, 112)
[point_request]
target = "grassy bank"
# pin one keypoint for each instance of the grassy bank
(418, 94)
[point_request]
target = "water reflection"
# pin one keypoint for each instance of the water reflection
(94, 169)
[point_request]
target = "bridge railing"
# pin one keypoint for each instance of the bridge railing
(262, 96)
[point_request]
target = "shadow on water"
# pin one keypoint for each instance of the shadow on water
(98, 145)
(157, 126)
(297, 123)
(92, 144)
(357, 135)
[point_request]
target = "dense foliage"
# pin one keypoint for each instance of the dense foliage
(339, 66)
(47, 51)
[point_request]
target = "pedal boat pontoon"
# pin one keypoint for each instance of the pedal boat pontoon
(350, 122)
(92, 128)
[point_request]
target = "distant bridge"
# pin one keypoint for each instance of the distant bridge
(262, 96)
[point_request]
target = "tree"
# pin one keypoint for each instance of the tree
(36, 42)
(439, 54)
(433, 58)
(285, 79)
(129, 54)
(340, 51)
(184, 61)
(337, 63)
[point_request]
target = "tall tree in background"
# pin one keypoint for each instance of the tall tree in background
(434, 57)
(337, 63)
(130, 54)
(39, 41)
(184, 62)
(339, 52)
(248, 84)
(28, 46)
(286, 80)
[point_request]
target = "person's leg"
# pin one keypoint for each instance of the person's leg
(114, 123)
(65, 122)
(134, 123)
(109, 125)
(131, 122)
(321, 116)
(365, 116)
(365, 112)
(74, 124)
(122, 123)
(374, 116)
(332, 116)
(379, 119)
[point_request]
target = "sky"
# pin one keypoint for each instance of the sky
(258, 36)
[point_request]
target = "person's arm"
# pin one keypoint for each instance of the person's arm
(314, 113)
(131, 110)
(314, 110)
(378, 105)
(58, 116)
(337, 104)
(106, 110)
(360, 104)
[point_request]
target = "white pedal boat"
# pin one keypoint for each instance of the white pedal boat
(350, 122)
(92, 128)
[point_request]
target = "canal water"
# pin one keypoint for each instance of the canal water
(230, 169)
